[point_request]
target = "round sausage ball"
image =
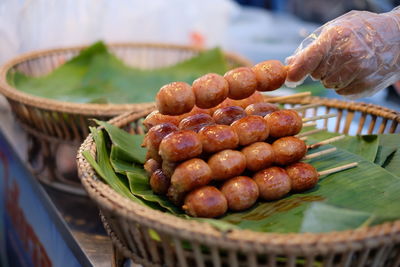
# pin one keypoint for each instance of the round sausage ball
(270, 75)
(226, 164)
(215, 138)
(159, 182)
(180, 145)
(242, 82)
(259, 155)
(273, 183)
(175, 98)
(196, 110)
(241, 192)
(154, 137)
(303, 176)
(228, 115)
(206, 201)
(285, 122)
(257, 97)
(210, 90)
(151, 166)
(251, 129)
(288, 150)
(261, 109)
(190, 174)
(196, 122)
(155, 118)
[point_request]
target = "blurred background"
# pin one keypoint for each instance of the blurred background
(256, 29)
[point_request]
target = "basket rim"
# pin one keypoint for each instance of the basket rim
(84, 108)
(246, 240)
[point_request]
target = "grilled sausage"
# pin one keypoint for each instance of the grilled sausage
(241, 192)
(210, 90)
(206, 201)
(288, 150)
(261, 109)
(251, 129)
(285, 122)
(215, 138)
(155, 118)
(259, 155)
(159, 182)
(273, 183)
(175, 98)
(228, 115)
(303, 176)
(226, 164)
(270, 75)
(190, 174)
(196, 122)
(180, 145)
(242, 82)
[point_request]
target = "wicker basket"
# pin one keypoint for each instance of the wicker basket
(54, 127)
(190, 243)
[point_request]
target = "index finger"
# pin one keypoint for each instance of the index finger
(308, 59)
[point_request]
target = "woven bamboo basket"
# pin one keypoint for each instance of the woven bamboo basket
(56, 129)
(191, 243)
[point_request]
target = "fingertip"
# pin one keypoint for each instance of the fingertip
(293, 84)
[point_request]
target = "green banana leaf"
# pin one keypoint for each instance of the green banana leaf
(97, 76)
(140, 187)
(358, 197)
(103, 167)
(365, 146)
(128, 145)
(321, 217)
(389, 153)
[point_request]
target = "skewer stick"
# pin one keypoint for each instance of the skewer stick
(310, 132)
(320, 153)
(304, 138)
(286, 97)
(325, 142)
(309, 124)
(303, 107)
(319, 117)
(338, 169)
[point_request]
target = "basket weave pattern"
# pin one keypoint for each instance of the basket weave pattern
(191, 243)
(51, 123)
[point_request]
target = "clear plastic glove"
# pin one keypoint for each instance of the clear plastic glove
(356, 54)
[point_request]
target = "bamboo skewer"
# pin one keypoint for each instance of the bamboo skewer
(286, 97)
(303, 107)
(320, 153)
(309, 124)
(325, 142)
(310, 132)
(338, 169)
(319, 117)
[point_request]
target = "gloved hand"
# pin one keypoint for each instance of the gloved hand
(356, 54)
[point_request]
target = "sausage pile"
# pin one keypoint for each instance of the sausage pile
(209, 153)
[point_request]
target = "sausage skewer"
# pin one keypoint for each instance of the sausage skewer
(273, 183)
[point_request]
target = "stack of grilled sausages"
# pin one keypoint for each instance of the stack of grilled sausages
(216, 145)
